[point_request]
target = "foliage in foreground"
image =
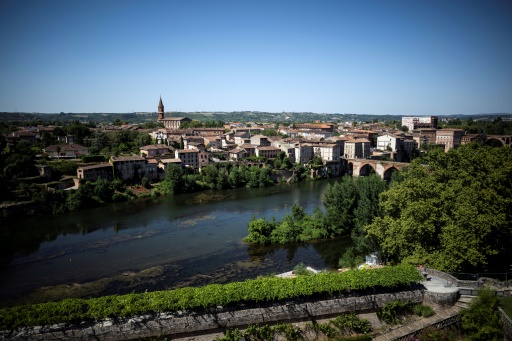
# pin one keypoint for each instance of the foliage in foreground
(251, 291)
(481, 321)
(453, 211)
(341, 326)
(393, 311)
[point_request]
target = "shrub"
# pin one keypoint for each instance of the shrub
(423, 310)
(352, 323)
(393, 311)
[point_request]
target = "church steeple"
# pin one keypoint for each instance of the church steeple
(160, 109)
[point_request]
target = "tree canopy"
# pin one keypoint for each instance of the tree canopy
(451, 211)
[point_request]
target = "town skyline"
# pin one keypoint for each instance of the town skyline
(373, 58)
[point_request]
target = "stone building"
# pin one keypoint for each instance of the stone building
(128, 167)
(171, 122)
(94, 172)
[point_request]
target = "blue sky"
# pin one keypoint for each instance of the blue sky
(363, 57)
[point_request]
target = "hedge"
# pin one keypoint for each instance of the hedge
(188, 298)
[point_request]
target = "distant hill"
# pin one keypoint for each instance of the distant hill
(236, 116)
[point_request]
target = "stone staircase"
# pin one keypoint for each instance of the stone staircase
(446, 314)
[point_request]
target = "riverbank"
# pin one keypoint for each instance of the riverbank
(193, 246)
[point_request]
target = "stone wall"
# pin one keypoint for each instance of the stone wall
(440, 299)
(469, 284)
(179, 323)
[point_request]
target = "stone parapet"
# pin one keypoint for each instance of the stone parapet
(179, 323)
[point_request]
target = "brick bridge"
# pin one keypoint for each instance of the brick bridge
(506, 140)
(384, 169)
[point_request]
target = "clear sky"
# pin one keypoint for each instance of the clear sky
(408, 57)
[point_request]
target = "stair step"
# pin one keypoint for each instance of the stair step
(461, 305)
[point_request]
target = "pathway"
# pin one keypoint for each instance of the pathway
(434, 284)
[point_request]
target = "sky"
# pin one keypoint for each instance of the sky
(394, 57)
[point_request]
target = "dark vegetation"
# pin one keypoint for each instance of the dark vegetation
(350, 204)
(269, 289)
(452, 211)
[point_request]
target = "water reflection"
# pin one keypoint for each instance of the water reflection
(194, 238)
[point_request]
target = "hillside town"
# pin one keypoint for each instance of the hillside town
(331, 148)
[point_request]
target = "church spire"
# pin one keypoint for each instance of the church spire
(160, 109)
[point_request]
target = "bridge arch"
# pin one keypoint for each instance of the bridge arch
(389, 172)
(350, 168)
(366, 169)
(495, 142)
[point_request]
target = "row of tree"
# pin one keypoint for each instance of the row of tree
(350, 204)
(451, 211)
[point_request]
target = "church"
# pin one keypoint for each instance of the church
(172, 122)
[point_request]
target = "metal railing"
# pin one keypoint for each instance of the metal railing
(437, 325)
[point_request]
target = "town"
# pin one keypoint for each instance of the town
(320, 149)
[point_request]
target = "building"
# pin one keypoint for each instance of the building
(357, 149)
(328, 151)
(94, 172)
(237, 154)
(303, 152)
(268, 152)
(128, 167)
(153, 150)
(424, 137)
(388, 142)
(188, 157)
(450, 138)
(65, 151)
(260, 140)
(171, 122)
(478, 138)
(415, 122)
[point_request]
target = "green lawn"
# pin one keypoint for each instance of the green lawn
(506, 304)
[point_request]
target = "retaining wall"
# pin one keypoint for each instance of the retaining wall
(211, 321)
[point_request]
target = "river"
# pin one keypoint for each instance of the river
(155, 244)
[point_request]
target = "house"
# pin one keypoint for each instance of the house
(260, 140)
(241, 138)
(188, 157)
(155, 150)
(303, 152)
(128, 167)
(268, 152)
(237, 154)
(152, 169)
(250, 149)
(389, 142)
(162, 164)
(317, 134)
(94, 172)
(59, 151)
(357, 149)
(328, 152)
(212, 141)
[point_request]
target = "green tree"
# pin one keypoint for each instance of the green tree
(481, 322)
(340, 201)
(453, 211)
(173, 182)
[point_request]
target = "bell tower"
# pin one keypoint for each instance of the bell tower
(160, 110)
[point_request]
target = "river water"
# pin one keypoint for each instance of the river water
(154, 244)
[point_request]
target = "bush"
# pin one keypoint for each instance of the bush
(393, 311)
(352, 323)
(93, 158)
(188, 298)
(423, 310)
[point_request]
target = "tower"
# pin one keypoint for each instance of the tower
(160, 110)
